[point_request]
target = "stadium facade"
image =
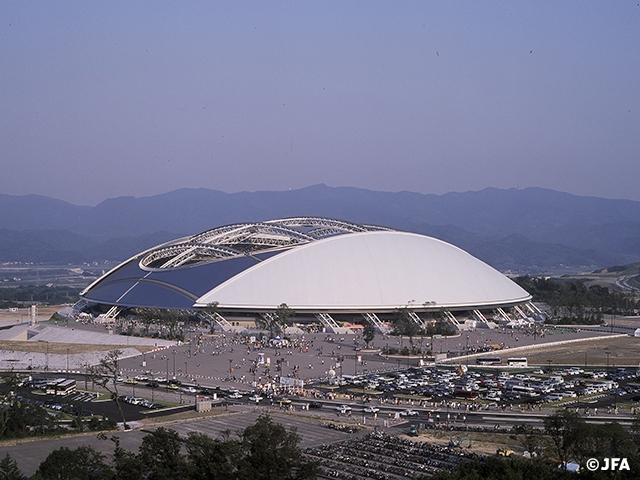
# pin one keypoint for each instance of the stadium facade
(319, 267)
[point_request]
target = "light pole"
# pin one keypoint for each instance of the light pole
(67, 361)
(186, 373)
(363, 393)
(355, 364)
(585, 359)
(230, 362)
(467, 351)
(174, 364)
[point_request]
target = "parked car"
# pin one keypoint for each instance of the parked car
(409, 413)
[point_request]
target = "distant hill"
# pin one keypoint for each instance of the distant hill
(522, 230)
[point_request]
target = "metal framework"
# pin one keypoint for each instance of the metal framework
(247, 239)
(331, 325)
(377, 323)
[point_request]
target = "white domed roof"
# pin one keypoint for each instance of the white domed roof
(368, 271)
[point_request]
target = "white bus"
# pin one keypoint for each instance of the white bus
(517, 362)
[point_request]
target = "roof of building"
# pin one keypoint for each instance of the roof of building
(309, 263)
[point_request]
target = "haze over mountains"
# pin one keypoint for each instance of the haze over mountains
(533, 230)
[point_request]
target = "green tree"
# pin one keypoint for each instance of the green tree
(403, 324)
(82, 463)
(283, 317)
(368, 333)
(211, 458)
(171, 319)
(9, 469)
(271, 453)
(106, 374)
(531, 438)
(565, 429)
(126, 465)
(278, 321)
(160, 455)
(212, 309)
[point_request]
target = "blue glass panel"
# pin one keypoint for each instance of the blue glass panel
(199, 279)
(109, 292)
(153, 295)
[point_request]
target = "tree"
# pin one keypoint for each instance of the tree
(565, 429)
(531, 438)
(284, 317)
(126, 465)
(403, 324)
(82, 463)
(278, 321)
(160, 454)
(368, 333)
(270, 453)
(171, 319)
(212, 310)
(9, 469)
(106, 374)
(211, 458)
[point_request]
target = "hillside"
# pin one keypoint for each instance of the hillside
(525, 230)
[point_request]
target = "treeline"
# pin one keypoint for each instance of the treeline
(264, 450)
(11, 297)
(566, 438)
(575, 303)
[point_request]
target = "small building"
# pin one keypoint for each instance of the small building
(203, 404)
(61, 386)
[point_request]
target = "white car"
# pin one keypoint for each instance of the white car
(409, 413)
(343, 408)
(371, 409)
(255, 398)
(235, 395)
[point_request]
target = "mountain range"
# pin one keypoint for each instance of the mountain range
(531, 230)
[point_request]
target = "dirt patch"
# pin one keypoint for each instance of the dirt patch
(484, 443)
(64, 348)
(619, 351)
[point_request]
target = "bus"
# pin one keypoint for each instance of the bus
(488, 360)
(517, 362)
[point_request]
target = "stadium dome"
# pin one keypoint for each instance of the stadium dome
(313, 265)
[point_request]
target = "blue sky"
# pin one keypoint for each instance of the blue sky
(104, 99)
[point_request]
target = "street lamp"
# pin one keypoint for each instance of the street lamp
(467, 351)
(186, 373)
(585, 359)
(230, 362)
(363, 393)
(174, 364)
